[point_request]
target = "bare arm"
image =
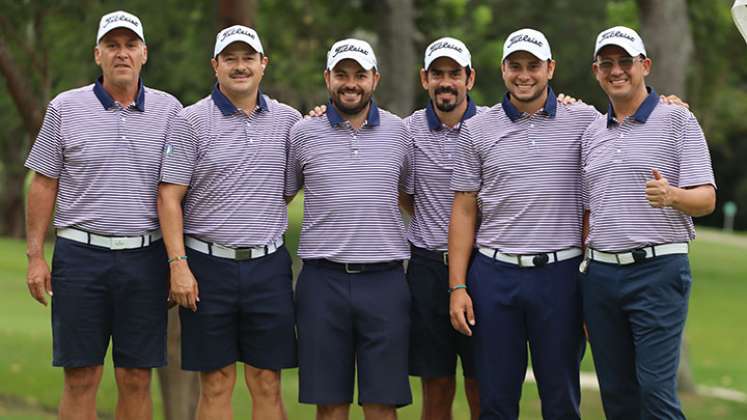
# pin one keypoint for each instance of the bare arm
(406, 203)
(184, 289)
(41, 199)
(461, 242)
(585, 228)
(694, 201)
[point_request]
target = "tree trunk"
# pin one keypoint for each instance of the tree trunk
(236, 12)
(665, 28)
(179, 389)
(396, 55)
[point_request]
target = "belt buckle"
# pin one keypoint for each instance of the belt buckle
(639, 254)
(446, 257)
(353, 271)
(118, 243)
(243, 254)
(540, 260)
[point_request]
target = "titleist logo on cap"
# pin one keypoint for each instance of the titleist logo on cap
(235, 31)
(444, 44)
(349, 47)
(523, 38)
(120, 17)
(617, 34)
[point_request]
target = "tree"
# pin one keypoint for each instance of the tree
(665, 28)
(396, 55)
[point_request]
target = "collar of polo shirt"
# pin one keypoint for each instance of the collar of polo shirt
(228, 108)
(434, 123)
(335, 119)
(642, 113)
(550, 107)
(107, 101)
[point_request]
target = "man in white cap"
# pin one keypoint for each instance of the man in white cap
(352, 301)
(520, 162)
(222, 182)
(448, 76)
(96, 158)
(650, 159)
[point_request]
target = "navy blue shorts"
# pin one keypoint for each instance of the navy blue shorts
(100, 294)
(245, 313)
(348, 321)
(434, 343)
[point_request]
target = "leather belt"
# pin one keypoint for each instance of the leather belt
(638, 254)
(532, 260)
(109, 242)
(238, 254)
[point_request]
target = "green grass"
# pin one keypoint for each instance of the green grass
(30, 387)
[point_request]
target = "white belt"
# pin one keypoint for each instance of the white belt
(636, 255)
(110, 242)
(532, 260)
(223, 251)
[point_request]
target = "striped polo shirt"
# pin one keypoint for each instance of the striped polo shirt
(433, 161)
(105, 157)
(617, 160)
(351, 180)
(527, 172)
(234, 165)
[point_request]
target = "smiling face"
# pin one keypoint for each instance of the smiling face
(621, 76)
(121, 55)
(447, 83)
(239, 70)
(350, 86)
(526, 76)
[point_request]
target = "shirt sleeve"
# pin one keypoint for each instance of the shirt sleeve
(293, 167)
(46, 153)
(695, 159)
(180, 152)
(407, 173)
(467, 174)
(585, 139)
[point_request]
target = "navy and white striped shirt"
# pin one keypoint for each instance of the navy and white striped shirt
(351, 180)
(106, 158)
(526, 169)
(234, 164)
(435, 147)
(618, 158)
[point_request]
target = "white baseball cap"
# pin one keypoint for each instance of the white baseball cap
(448, 47)
(237, 33)
(739, 13)
(354, 49)
(529, 40)
(623, 37)
(119, 19)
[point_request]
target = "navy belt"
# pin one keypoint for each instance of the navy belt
(355, 268)
(436, 256)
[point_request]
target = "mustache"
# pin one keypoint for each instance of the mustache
(446, 89)
(349, 90)
(239, 73)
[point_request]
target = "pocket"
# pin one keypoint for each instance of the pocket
(685, 278)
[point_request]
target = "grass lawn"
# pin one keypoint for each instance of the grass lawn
(30, 387)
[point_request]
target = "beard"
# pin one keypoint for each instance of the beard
(446, 106)
(354, 109)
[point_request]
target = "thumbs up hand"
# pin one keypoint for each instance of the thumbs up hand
(658, 191)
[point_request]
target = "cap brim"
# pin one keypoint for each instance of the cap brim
(628, 48)
(366, 64)
(534, 53)
(123, 25)
(243, 40)
(448, 53)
